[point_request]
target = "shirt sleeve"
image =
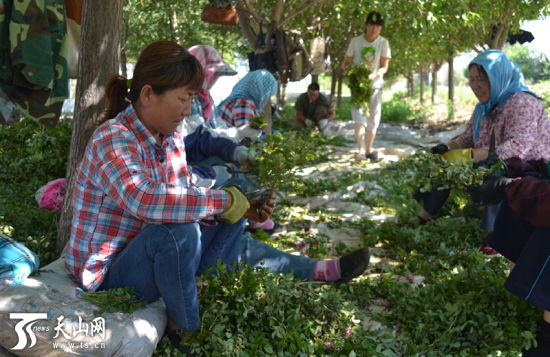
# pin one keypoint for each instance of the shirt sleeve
(300, 104)
(466, 139)
(529, 197)
(349, 51)
(386, 51)
(127, 178)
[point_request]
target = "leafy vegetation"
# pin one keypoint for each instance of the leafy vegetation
(360, 86)
(114, 300)
(30, 156)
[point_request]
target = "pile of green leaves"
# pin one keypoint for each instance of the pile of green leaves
(114, 300)
(360, 86)
(250, 312)
(434, 171)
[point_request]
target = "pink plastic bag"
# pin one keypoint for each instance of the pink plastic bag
(50, 196)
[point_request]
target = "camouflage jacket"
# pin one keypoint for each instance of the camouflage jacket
(33, 57)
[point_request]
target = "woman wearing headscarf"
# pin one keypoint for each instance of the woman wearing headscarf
(248, 99)
(506, 107)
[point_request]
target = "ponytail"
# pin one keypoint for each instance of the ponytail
(117, 97)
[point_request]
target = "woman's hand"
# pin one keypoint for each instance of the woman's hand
(261, 209)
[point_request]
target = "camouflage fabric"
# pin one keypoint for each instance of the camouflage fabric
(33, 57)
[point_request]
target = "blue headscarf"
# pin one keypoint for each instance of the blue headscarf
(257, 86)
(505, 79)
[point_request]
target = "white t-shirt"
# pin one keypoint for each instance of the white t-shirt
(367, 52)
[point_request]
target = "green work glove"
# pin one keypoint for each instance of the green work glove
(458, 155)
(238, 206)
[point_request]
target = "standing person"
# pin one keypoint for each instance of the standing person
(138, 221)
(522, 234)
(506, 107)
(249, 98)
(373, 50)
(313, 109)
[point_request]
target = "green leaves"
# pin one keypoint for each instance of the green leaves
(435, 172)
(360, 86)
(114, 300)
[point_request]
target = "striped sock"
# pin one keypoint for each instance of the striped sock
(327, 270)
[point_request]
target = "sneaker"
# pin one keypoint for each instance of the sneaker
(354, 264)
(360, 157)
(543, 342)
(373, 156)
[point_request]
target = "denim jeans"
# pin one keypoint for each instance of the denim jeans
(256, 253)
(163, 260)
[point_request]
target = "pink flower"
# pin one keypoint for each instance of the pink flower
(300, 244)
(410, 278)
(463, 251)
(349, 332)
(431, 260)
(329, 345)
(331, 245)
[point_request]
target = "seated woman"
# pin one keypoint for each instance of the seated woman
(204, 146)
(249, 98)
(507, 108)
(522, 234)
(138, 221)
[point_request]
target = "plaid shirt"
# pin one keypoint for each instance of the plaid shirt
(237, 112)
(127, 180)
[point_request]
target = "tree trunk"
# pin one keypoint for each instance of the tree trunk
(421, 75)
(314, 78)
(410, 84)
(451, 83)
(333, 80)
(434, 81)
(123, 61)
(340, 80)
(98, 60)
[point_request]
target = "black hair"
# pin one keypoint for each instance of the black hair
(374, 18)
(313, 86)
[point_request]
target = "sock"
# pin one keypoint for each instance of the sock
(327, 270)
(266, 225)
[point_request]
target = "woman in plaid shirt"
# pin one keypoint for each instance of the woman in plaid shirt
(138, 220)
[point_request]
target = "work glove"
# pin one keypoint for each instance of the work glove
(458, 155)
(493, 190)
(439, 149)
(238, 207)
(243, 158)
(503, 171)
(261, 209)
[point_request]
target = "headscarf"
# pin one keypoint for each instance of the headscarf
(257, 86)
(505, 78)
(212, 65)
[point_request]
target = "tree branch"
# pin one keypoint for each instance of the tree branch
(303, 6)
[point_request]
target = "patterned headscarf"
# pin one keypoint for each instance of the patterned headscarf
(505, 79)
(212, 65)
(257, 86)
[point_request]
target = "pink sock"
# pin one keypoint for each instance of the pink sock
(268, 224)
(327, 270)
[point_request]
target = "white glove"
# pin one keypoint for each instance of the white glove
(243, 157)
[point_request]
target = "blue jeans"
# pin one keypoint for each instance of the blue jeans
(256, 253)
(163, 260)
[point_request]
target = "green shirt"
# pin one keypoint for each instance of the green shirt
(308, 109)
